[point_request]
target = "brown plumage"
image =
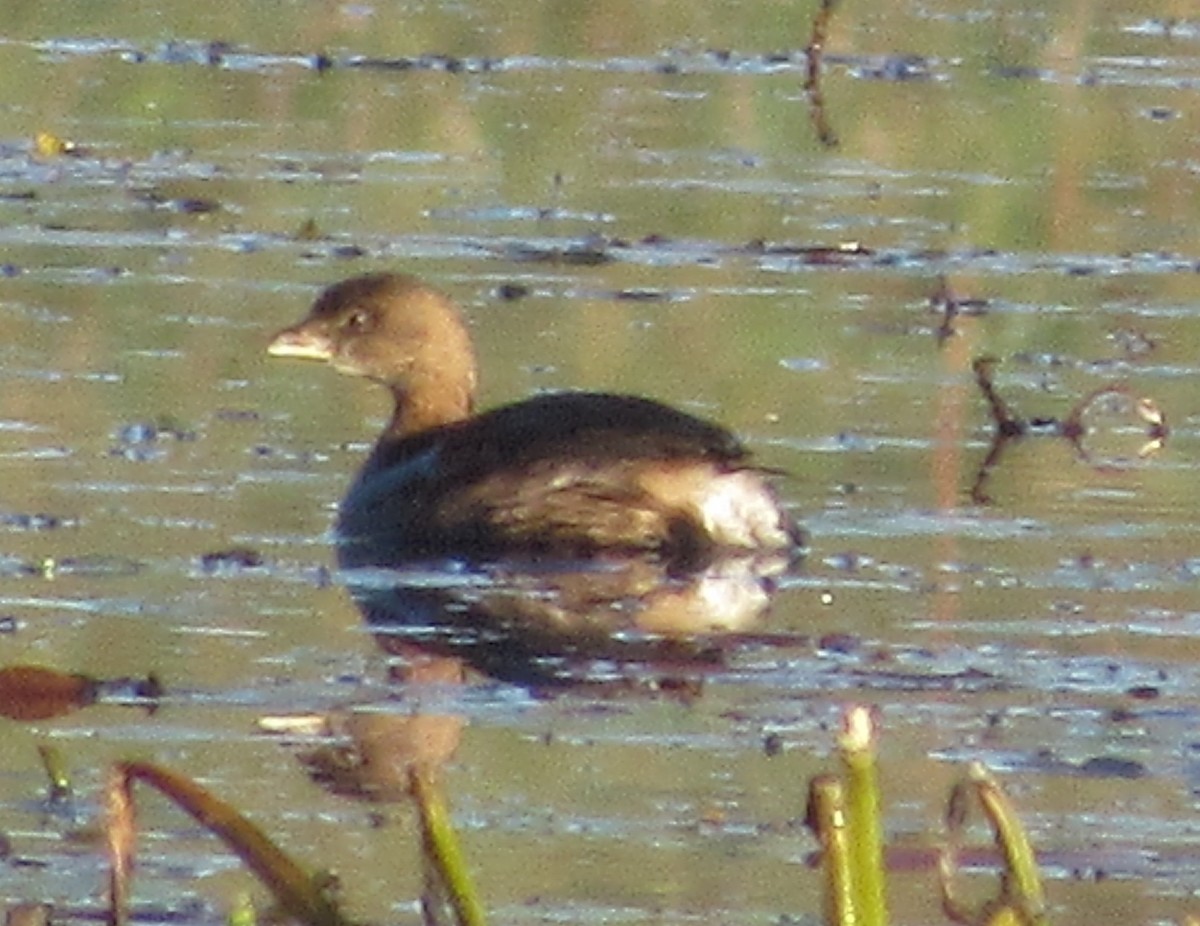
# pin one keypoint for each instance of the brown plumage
(562, 475)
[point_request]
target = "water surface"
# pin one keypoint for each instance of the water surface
(652, 179)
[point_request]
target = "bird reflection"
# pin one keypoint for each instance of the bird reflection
(608, 626)
(613, 622)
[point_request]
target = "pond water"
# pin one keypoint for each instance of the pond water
(675, 217)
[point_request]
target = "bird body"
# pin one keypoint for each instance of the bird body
(573, 474)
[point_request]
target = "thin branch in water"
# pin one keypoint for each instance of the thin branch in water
(812, 83)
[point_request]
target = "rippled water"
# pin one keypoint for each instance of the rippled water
(635, 198)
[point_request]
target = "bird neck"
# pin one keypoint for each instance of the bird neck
(430, 401)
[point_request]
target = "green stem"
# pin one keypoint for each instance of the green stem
(440, 846)
(863, 817)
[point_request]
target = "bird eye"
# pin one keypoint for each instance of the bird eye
(357, 321)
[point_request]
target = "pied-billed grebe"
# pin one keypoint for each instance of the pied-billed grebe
(561, 475)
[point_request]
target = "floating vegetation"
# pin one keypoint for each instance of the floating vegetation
(38, 693)
(47, 146)
(31, 692)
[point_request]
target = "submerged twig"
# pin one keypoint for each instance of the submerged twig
(1009, 427)
(950, 305)
(298, 893)
(812, 82)
(1073, 428)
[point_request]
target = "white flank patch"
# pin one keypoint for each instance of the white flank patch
(739, 510)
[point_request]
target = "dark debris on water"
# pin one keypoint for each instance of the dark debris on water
(597, 250)
(143, 440)
(184, 205)
(232, 560)
(219, 53)
(1047, 762)
(20, 521)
